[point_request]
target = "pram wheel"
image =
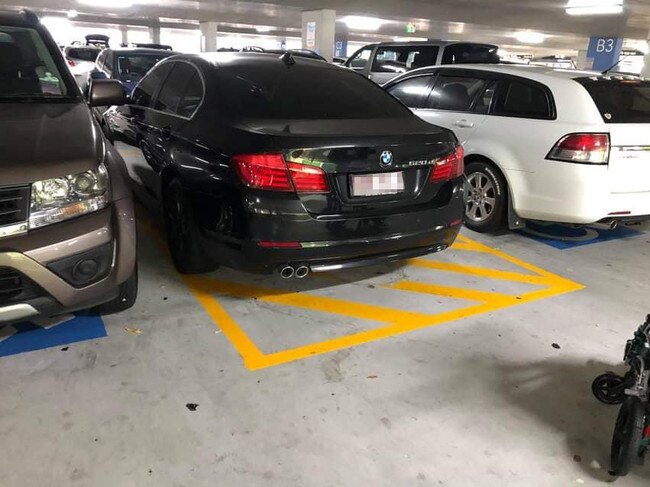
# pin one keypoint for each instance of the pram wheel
(628, 434)
(609, 388)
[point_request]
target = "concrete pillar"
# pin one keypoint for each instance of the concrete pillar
(209, 31)
(125, 35)
(154, 34)
(645, 70)
(318, 31)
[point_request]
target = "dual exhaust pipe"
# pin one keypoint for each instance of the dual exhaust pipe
(300, 272)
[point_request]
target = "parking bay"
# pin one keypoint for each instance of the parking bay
(347, 366)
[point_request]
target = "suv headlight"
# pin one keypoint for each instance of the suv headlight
(58, 199)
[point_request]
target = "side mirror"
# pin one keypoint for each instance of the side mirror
(106, 92)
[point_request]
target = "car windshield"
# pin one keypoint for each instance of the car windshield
(27, 67)
(132, 67)
(306, 92)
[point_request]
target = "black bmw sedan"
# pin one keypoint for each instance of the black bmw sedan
(280, 163)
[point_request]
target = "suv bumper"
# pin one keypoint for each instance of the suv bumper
(38, 256)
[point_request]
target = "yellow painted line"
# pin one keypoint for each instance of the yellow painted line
(479, 271)
(455, 292)
(397, 322)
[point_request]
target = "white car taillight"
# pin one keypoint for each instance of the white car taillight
(582, 149)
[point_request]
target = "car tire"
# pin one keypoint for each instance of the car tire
(183, 234)
(485, 208)
(628, 434)
(128, 294)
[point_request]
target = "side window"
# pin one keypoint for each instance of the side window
(192, 97)
(175, 89)
(470, 53)
(484, 101)
(455, 93)
(521, 99)
(108, 63)
(100, 60)
(400, 59)
(360, 60)
(413, 91)
(147, 88)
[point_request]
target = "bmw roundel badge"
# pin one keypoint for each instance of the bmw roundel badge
(386, 158)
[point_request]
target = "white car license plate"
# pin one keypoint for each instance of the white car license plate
(378, 184)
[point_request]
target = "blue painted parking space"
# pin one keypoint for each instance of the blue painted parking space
(564, 237)
(28, 337)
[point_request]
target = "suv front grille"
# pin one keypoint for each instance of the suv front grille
(14, 205)
(14, 287)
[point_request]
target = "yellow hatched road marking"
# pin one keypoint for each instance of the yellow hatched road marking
(396, 321)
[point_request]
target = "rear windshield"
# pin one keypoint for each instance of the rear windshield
(620, 101)
(306, 92)
(83, 53)
(28, 68)
(132, 67)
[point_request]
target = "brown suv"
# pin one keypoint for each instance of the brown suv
(67, 229)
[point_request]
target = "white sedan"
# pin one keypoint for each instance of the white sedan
(541, 143)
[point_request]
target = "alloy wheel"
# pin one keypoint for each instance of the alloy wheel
(481, 198)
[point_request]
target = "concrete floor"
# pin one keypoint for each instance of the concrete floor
(485, 400)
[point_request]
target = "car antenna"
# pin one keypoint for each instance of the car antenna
(287, 58)
(612, 67)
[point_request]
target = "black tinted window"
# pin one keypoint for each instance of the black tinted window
(621, 101)
(132, 67)
(484, 100)
(521, 99)
(360, 60)
(302, 92)
(401, 59)
(82, 53)
(174, 87)
(192, 97)
(147, 88)
(455, 93)
(412, 92)
(470, 53)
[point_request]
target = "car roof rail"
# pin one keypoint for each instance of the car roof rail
(30, 16)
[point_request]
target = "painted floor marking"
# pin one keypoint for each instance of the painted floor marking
(207, 289)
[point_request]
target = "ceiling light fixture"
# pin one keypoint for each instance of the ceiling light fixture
(112, 4)
(594, 7)
(72, 14)
(529, 37)
(358, 22)
(264, 28)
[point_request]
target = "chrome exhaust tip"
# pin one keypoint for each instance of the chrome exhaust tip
(302, 272)
(287, 272)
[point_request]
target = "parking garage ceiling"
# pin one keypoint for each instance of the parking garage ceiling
(496, 21)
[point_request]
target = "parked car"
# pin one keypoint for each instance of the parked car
(266, 162)
(384, 61)
(127, 65)
(81, 61)
(67, 231)
(541, 143)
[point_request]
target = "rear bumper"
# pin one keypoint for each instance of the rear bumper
(35, 255)
(573, 193)
(337, 243)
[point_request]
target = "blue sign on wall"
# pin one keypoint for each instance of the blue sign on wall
(341, 48)
(605, 51)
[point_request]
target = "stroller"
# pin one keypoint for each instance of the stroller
(631, 436)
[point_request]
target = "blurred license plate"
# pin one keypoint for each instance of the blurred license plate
(378, 184)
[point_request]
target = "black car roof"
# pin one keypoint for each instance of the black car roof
(223, 59)
(135, 50)
(24, 18)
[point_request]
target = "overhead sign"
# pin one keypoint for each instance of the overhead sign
(605, 51)
(410, 28)
(311, 35)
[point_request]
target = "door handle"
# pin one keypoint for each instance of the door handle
(464, 124)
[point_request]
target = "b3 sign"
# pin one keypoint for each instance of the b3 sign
(605, 51)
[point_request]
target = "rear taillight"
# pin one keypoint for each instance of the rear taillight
(449, 167)
(272, 173)
(582, 148)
